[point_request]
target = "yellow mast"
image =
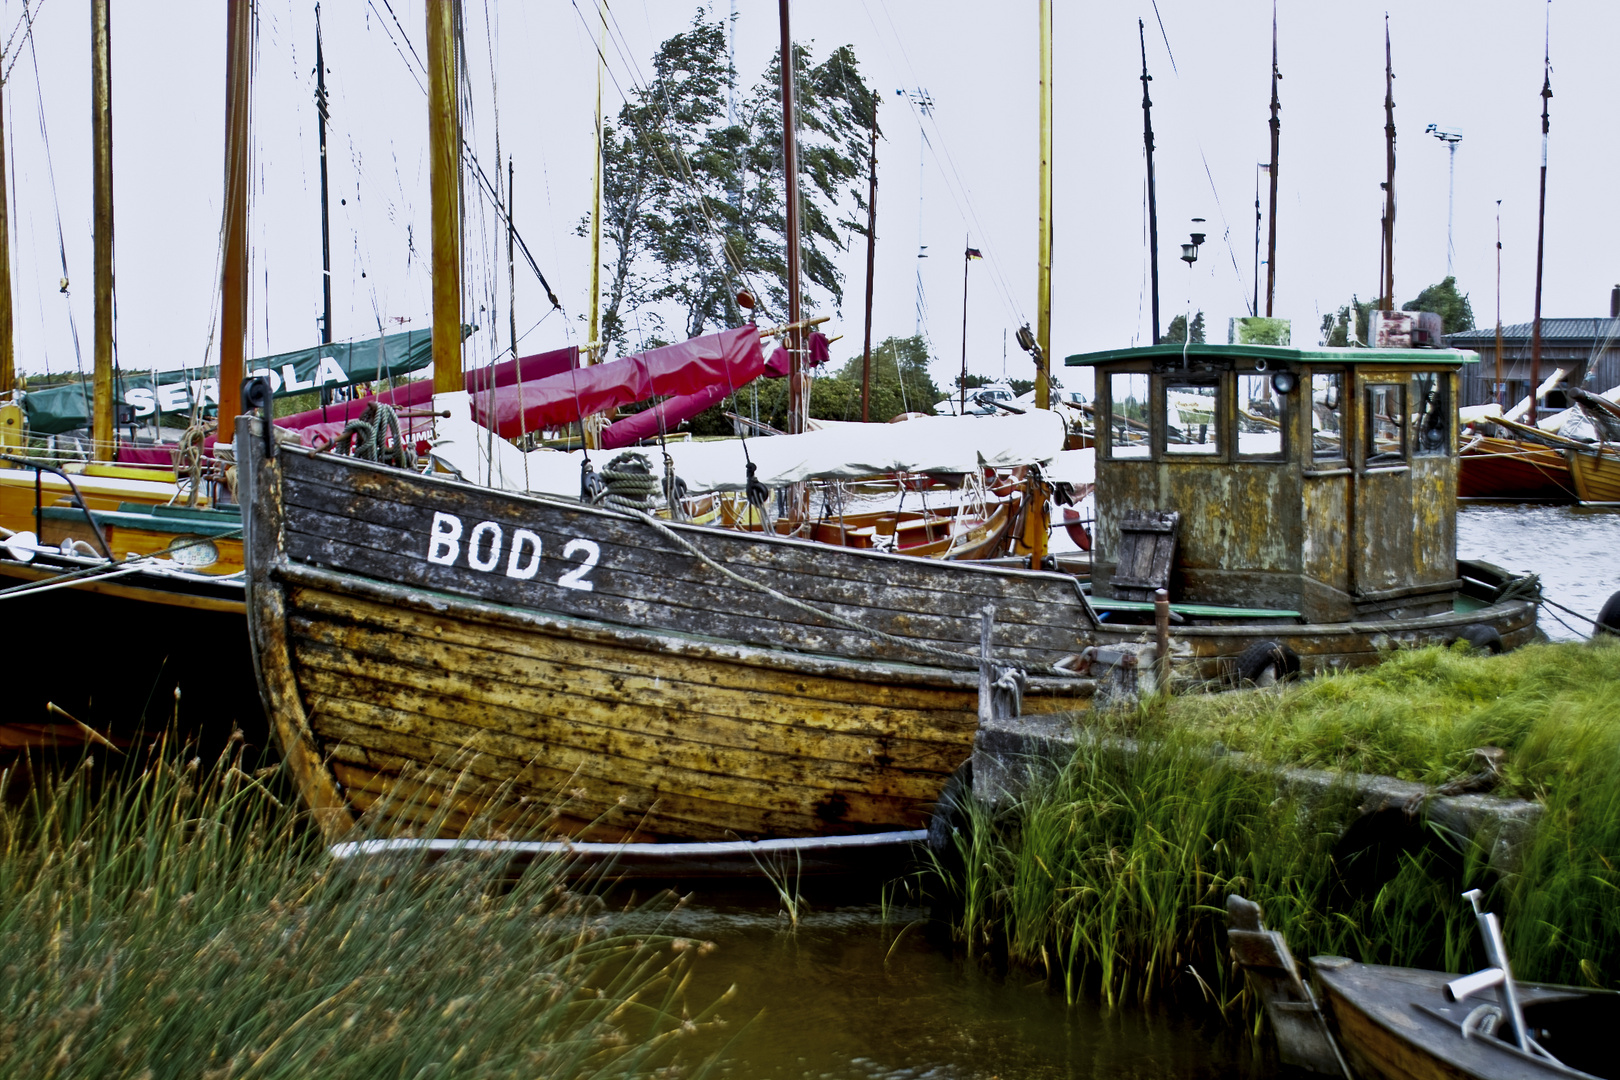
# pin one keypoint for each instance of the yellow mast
(1043, 245)
(8, 369)
(591, 427)
(444, 156)
(234, 272)
(101, 419)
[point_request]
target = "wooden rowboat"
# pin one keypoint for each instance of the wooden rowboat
(1596, 474)
(443, 658)
(1492, 468)
(1397, 1024)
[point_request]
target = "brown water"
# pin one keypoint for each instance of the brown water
(860, 993)
(1575, 549)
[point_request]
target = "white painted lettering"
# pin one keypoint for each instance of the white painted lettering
(289, 379)
(520, 539)
(577, 577)
(205, 390)
(141, 397)
(444, 542)
(173, 397)
(266, 373)
(475, 546)
(330, 372)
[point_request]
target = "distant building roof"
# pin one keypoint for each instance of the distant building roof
(1592, 330)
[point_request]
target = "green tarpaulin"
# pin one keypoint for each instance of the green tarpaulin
(57, 409)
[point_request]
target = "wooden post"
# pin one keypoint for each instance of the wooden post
(238, 180)
(1043, 244)
(1501, 398)
(101, 420)
(961, 409)
(1161, 640)
(8, 369)
(794, 340)
(987, 674)
(871, 259)
(444, 174)
(1276, 139)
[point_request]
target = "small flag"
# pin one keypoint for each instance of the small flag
(1265, 166)
(973, 253)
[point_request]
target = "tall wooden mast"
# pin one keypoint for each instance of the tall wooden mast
(1043, 242)
(8, 368)
(797, 412)
(1541, 222)
(1276, 142)
(1153, 195)
(1388, 301)
(444, 176)
(871, 262)
(326, 214)
(591, 426)
(101, 419)
(234, 271)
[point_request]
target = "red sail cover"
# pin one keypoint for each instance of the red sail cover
(730, 358)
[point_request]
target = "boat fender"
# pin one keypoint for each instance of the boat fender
(1480, 637)
(1608, 620)
(1267, 662)
(949, 827)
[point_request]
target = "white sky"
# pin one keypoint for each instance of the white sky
(1471, 65)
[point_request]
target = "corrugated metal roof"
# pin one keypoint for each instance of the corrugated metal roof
(1591, 330)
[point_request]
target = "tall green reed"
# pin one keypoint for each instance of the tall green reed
(180, 918)
(1113, 877)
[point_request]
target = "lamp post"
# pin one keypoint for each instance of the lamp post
(1451, 139)
(1189, 255)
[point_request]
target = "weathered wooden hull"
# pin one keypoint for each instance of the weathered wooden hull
(1204, 654)
(598, 679)
(1596, 474)
(1395, 1024)
(1492, 468)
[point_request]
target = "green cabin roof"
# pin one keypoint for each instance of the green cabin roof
(1280, 354)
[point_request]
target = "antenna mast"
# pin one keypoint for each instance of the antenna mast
(1388, 303)
(1276, 140)
(1541, 215)
(1152, 193)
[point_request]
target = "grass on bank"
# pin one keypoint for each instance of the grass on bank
(181, 920)
(1113, 879)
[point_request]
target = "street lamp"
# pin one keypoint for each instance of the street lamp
(1189, 255)
(1451, 138)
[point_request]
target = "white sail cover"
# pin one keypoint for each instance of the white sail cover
(939, 444)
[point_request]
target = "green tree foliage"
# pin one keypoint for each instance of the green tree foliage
(1019, 386)
(1349, 322)
(1177, 333)
(693, 208)
(900, 383)
(1456, 313)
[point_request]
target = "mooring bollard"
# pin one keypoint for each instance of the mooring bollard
(1161, 639)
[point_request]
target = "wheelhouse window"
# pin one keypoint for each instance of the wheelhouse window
(1260, 417)
(1386, 424)
(1431, 413)
(1128, 425)
(1192, 418)
(1327, 416)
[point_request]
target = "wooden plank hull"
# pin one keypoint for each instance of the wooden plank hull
(586, 674)
(1507, 469)
(1395, 1024)
(1596, 474)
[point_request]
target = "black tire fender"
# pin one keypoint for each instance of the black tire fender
(1267, 662)
(1608, 620)
(1481, 638)
(950, 816)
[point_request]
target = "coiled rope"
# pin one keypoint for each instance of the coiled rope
(375, 436)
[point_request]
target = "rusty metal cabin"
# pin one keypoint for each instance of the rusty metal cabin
(1316, 483)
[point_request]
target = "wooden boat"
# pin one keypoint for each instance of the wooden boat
(441, 657)
(1397, 1024)
(1497, 468)
(1393, 1023)
(1321, 557)
(1596, 474)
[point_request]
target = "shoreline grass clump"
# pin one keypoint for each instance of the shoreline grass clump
(179, 919)
(1113, 877)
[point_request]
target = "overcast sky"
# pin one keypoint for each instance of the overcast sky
(1473, 66)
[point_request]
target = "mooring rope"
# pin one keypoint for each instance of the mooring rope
(109, 568)
(628, 484)
(838, 620)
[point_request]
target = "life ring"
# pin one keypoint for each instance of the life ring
(1076, 528)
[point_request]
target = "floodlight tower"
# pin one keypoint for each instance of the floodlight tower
(923, 102)
(1451, 138)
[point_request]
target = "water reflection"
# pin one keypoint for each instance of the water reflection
(1575, 549)
(852, 993)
